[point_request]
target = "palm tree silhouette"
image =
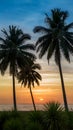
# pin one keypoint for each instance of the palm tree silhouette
(14, 53)
(29, 76)
(57, 39)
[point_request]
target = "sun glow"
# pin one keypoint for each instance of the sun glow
(41, 99)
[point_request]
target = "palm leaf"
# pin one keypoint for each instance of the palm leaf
(51, 49)
(36, 66)
(69, 26)
(65, 50)
(57, 54)
(23, 38)
(40, 29)
(27, 46)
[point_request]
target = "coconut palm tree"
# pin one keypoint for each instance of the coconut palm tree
(28, 76)
(14, 53)
(57, 39)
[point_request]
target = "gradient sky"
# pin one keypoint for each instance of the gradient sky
(26, 14)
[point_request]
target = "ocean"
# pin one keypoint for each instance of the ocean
(20, 107)
(27, 107)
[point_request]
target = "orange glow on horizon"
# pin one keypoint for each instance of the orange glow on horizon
(49, 90)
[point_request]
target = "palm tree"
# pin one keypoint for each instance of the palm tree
(57, 39)
(28, 76)
(14, 53)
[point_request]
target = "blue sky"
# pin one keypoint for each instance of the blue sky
(29, 13)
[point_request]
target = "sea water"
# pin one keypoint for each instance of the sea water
(20, 107)
(26, 107)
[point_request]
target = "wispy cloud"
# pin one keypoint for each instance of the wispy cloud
(27, 14)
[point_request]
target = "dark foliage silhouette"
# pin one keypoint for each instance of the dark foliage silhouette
(56, 39)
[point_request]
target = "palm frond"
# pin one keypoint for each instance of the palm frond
(48, 19)
(3, 40)
(15, 30)
(57, 54)
(51, 49)
(28, 55)
(36, 80)
(5, 33)
(4, 65)
(69, 26)
(25, 81)
(36, 66)
(53, 106)
(32, 83)
(27, 47)
(43, 47)
(70, 48)
(40, 29)
(65, 14)
(43, 39)
(65, 49)
(23, 38)
(37, 75)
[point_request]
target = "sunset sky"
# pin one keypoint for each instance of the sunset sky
(26, 14)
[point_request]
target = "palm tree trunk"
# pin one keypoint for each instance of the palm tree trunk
(63, 87)
(32, 99)
(14, 94)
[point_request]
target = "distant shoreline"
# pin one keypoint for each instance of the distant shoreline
(26, 107)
